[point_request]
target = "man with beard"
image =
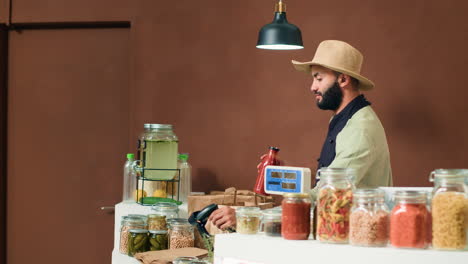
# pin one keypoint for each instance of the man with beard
(355, 138)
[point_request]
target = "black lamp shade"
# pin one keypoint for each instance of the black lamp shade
(280, 35)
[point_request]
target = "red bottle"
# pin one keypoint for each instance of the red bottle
(269, 159)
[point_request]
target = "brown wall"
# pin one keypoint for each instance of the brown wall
(196, 66)
(3, 137)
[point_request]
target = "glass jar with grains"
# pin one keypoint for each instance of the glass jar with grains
(137, 241)
(335, 198)
(272, 221)
(369, 220)
(157, 222)
(128, 223)
(450, 209)
(248, 220)
(410, 220)
(169, 210)
(181, 235)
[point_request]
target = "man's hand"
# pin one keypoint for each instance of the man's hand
(223, 218)
(281, 162)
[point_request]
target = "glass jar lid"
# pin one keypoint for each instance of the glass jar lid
(144, 217)
(248, 211)
(369, 195)
(158, 232)
(161, 126)
(184, 260)
(132, 220)
(336, 173)
(272, 213)
(296, 195)
(138, 231)
(410, 196)
(156, 217)
(449, 174)
(147, 126)
(165, 206)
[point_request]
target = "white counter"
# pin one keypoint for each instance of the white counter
(249, 249)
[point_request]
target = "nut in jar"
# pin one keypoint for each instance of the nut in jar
(248, 220)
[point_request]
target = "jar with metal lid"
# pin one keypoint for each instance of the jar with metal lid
(450, 209)
(248, 220)
(295, 216)
(181, 235)
(157, 222)
(370, 219)
(161, 153)
(410, 220)
(158, 240)
(144, 217)
(137, 241)
(272, 221)
(334, 201)
(167, 209)
(184, 260)
(127, 224)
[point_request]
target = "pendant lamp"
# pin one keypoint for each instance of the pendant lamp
(279, 34)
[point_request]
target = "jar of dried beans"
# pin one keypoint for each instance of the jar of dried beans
(248, 220)
(334, 201)
(450, 209)
(127, 224)
(295, 216)
(369, 221)
(181, 235)
(410, 220)
(272, 222)
(157, 222)
(167, 209)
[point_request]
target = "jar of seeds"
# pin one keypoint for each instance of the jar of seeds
(181, 235)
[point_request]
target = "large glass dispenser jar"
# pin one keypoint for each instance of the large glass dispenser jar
(409, 220)
(335, 198)
(450, 209)
(161, 147)
(369, 221)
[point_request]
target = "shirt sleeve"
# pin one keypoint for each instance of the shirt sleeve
(354, 149)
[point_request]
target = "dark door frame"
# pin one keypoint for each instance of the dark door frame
(4, 40)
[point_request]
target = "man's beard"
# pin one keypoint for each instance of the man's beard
(332, 98)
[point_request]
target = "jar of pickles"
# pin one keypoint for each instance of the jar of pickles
(137, 241)
(158, 240)
(334, 201)
(248, 220)
(127, 224)
(295, 216)
(169, 210)
(157, 222)
(272, 221)
(181, 235)
(369, 221)
(450, 209)
(410, 220)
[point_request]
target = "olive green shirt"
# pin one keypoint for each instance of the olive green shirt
(362, 145)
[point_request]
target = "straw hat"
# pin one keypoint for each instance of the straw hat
(338, 56)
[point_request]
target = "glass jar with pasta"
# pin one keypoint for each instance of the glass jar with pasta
(449, 209)
(335, 198)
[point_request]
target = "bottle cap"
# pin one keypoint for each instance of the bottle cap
(130, 156)
(183, 156)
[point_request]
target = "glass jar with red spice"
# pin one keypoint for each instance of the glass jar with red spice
(334, 201)
(370, 219)
(409, 220)
(450, 209)
(295, 216)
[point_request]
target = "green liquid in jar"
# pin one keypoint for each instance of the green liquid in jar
(161, 155)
